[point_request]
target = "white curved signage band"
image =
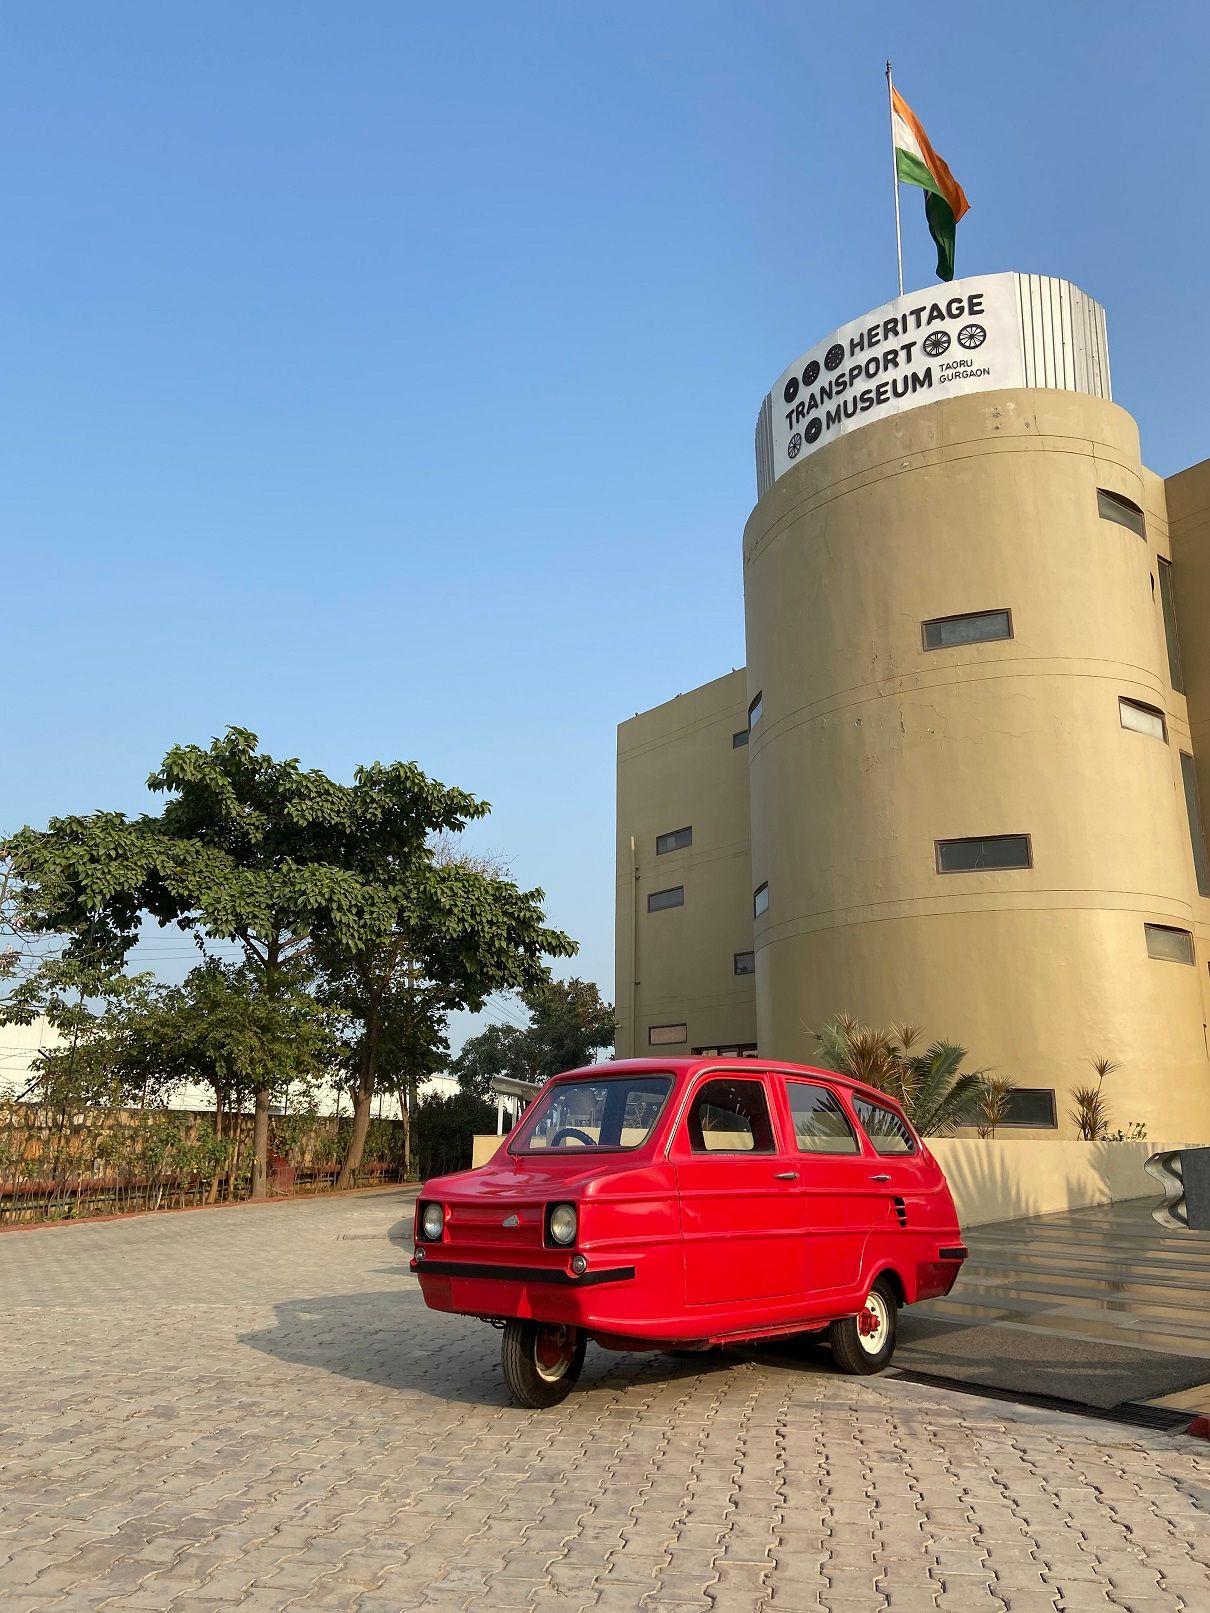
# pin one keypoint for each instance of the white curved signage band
(981, 334)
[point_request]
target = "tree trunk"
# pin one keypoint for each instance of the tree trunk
(260, 1145)
(405, 1114)
(362, 1099)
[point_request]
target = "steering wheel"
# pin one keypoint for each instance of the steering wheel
(571, 1131)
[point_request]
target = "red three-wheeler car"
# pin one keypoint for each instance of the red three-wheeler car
(682, 1203)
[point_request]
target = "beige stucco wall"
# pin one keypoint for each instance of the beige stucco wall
(871, 749)
(677, 768)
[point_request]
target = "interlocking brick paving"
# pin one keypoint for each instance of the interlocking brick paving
(252, 1408)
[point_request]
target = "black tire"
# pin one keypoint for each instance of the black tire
(851, 1342)
(542, 1362)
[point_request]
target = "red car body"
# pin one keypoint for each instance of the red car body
(733, 1216)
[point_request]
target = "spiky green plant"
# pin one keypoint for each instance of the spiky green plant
(936, 1094)
(995, 1104)
(1091, 1113)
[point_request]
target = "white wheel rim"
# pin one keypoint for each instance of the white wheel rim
(873, 1324)
(553, 1351)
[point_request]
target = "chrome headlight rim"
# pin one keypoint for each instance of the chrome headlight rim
(563, 1225)
(432, 1230)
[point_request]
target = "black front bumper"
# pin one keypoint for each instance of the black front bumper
(523, 1274)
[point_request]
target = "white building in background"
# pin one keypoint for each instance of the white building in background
(21, 1044)
(19, 1047)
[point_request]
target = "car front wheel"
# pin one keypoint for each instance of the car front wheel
(865, 1343)
(542, 1362)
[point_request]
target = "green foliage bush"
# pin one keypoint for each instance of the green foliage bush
(444, 1130)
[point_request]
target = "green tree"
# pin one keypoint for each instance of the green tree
(286, 862)
(935, 1093)
(461, 932)
(445, 1131)
(568, 1023)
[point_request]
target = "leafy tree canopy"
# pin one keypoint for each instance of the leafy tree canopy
(569, 1023)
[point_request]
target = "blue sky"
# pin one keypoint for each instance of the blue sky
(382, 377)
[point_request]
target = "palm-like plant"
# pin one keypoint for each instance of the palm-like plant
(935, 1093)
(1091, 1113)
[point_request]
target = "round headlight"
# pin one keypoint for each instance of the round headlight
(432, 1222)
(563, 1223)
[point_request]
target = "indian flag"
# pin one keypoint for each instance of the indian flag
(916, 163)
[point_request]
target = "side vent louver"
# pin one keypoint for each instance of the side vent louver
(900, 1212)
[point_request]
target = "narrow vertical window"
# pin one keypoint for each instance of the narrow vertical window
(1176, 674)
(760, 899)
(1197, 832)
(756, 710)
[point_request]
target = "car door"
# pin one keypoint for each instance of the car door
(901, 1172)
(741, 1220)
(842, 1200)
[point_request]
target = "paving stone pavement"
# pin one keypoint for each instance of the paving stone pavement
(251, 1407)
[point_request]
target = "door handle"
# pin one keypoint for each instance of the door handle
(883, 1176)
(786, 1176)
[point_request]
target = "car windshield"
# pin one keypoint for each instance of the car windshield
(576, 1116)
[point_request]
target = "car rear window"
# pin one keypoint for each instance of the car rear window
(580, 1116)
(885, 1130)
(820, 1124)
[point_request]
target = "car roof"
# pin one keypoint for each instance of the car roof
(731, 1065)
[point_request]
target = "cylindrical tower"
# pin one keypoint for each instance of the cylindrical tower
(965, 805)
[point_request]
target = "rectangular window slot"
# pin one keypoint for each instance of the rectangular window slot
(666, 1035)
(976, 856)
(1031, 1106)
(948, 632)
(741, 738)
(1165, 941)
(760, 899)
(674, 840)
(1176, 675)
(658, 900)
(745, 963)
(1142, 719)
(1114, 507)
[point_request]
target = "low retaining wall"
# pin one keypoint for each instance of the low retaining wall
(994, 1180)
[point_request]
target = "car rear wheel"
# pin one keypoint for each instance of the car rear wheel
(865, 1343)
(542, 1361)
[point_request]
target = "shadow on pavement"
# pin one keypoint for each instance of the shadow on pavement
(391, 1340)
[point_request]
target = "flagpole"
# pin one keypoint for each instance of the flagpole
(895, 174)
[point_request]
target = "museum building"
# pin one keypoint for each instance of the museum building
(958, 782)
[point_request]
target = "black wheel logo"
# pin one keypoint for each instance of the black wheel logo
(814, 427)
(934, 345)
(834, 357)
(794, 444)
(811, 374)
(972, 336)
(791, 391)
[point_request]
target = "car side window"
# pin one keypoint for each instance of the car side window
(885, 1130)
(820, 1124)
(730, 1117)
